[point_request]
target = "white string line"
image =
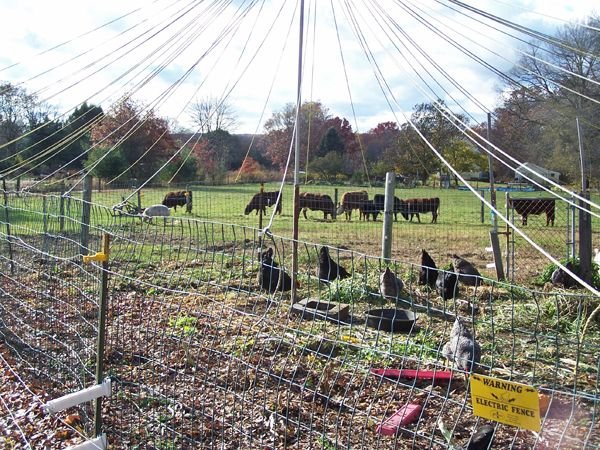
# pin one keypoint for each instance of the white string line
(382, 82)
(429, 59)
(89, 50)
(266, 229)
(469, 53)
(523, 29)
(189, 71)
(143, 41)
(270, 91)
(98, 143)
(538, 13)
(357, 133)
(64, 114)
(246, 43)
(172, 90)
(514, 160)
(57, 46)
(528, 55)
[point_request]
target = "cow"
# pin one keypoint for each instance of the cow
(415, 206)
(178, 198)
(398, 207)
(316, 202)
(262, 200)
(369, 208)
(526, 206)
(352, 200)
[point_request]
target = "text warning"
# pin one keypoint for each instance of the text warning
(505, 401)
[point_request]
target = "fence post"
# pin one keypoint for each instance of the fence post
(260, 213)
(482, 207)
(85, 214)
(61, 212)
(335, 202)
(104, 256)
(510, 263)
(8, 236)
(388, 211)
(585, 239)
(139, 199)
(571, 234)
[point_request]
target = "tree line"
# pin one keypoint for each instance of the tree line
(536, 121)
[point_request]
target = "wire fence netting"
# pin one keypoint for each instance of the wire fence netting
(206, 350)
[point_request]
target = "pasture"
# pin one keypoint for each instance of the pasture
(459, 229)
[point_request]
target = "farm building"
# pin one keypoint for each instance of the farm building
(522, 172)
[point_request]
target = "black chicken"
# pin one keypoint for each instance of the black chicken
(467, 273)
(328, 269)
(270, 277)
(428, 273)
(562, 278)
(447, 284)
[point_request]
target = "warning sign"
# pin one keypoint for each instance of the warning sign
(505, 401)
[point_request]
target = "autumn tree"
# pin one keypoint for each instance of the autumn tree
(211, 114)
(143, 137)
(279, 130)
(212, 152)
(17, 107)
(560, 76)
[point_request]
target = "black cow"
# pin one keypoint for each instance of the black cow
(262, 200)
(316, 202)
(178, 198)
(369, 208)
(415, 206)
(398, 207)
(526, 206)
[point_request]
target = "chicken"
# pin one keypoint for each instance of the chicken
(462, 348)
(328, 269)
(428, 273)
(467, 273)
(270, 277)
(562, 278)
(389, 284)
(447, 284)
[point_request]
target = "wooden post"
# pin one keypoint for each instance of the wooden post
(482, 207)
(260, 213)
(101, 331)
(61, 212)
(8, 235)
(85, 214)
(497, 254)
(335, 202)
(388, 218)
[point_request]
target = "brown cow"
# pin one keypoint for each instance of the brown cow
(415, 206)
(316, 202)
(352, 200)
(526, 206)
(178, 198)
(262, 200)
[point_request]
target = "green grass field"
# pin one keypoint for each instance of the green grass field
(459, 228)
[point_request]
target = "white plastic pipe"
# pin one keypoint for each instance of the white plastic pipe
(76, 398)
(99, 442)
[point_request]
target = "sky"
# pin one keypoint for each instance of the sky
(367, 61)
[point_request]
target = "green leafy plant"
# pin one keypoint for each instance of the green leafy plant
(187, 324)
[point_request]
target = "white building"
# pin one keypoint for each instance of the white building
(530, 170)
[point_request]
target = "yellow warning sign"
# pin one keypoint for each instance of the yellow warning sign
(505, 401)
